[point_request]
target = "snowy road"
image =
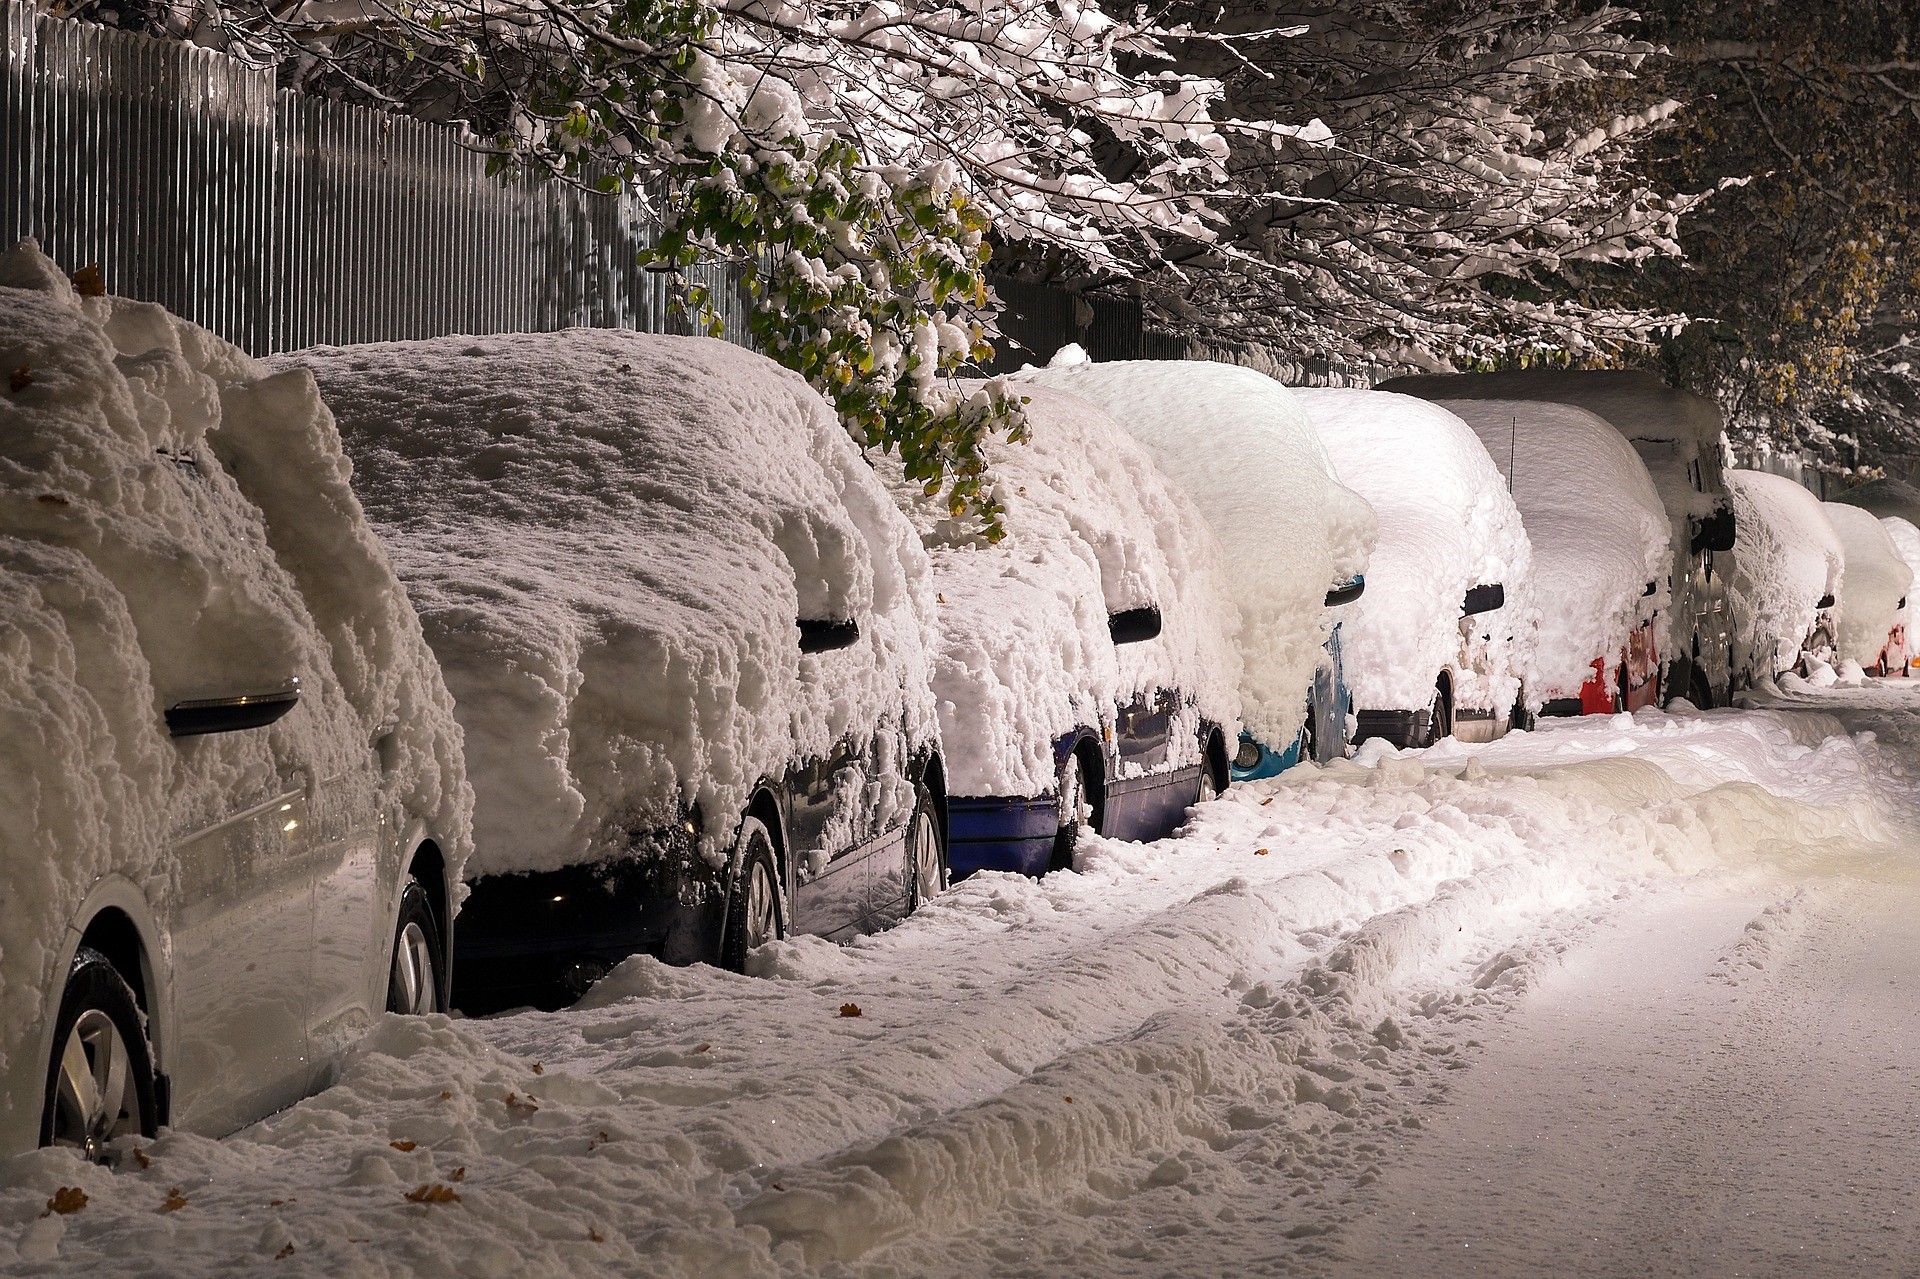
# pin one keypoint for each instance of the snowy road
(1622, 996)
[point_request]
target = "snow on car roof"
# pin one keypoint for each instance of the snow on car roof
(609, 536)
(1024, 653)
(1786, 558)
(1885, 497)
(1447, 523)
(1598, 530)
(1872, 584)
(179, 526)
(1241, 447)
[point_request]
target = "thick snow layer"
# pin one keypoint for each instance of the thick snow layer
(1024, 655)
(1786, 559)
(1598, 530)
(1447, 524)
(1885, 497)
(1193, 1058)
(609, 537)
(1906, 540)
(176, 523)
(1241, 446)
(1872, 586)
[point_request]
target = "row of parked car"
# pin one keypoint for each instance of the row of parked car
(618, 644)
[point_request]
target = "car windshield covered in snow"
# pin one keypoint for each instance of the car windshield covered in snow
(1241, 446)
(683, 624)
(1426, 650)
(1089, 652)
(1599, 536)
(1786, 580)
(234, 803)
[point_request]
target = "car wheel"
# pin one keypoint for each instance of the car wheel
(1310, 736)
(1074, 812)
(926, 853)
(1439, 716)
(100, 1081)
(756, 909)
(414, 982)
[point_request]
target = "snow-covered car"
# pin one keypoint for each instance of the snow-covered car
(1680, 437)
(233, 808)
(1885, 497)
(1085, 669)
(1787, 563)
(1431, 649)
(1873, 591)
(1295, 539)
(1902, 650)
(1600, 552)
(685, 629)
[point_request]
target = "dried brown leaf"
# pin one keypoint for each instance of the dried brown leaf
(433, 1194)
(849, 1010)
(67, 1199)
(89, 283)
(404, 1146)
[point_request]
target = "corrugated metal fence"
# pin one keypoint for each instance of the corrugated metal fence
(280, 221)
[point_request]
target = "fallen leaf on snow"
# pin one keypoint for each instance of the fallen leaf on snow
(142, 1158)
(174, 1201)
(446, 1096)
(704, 1048)
(458, 1174)
(524, 1105)
(404, 1146)
(538, 1069)
(89, 283)
(20, 379)
(65, 1200)
(433, 1194)
(595, 1235)
(1260, 852)
(849, 1010)
(285, 1252)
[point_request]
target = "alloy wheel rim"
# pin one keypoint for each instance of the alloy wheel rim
(96, 1098)
(926, 857)
(762, 914)
(414, 979)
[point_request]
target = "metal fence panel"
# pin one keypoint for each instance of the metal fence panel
(279, 221)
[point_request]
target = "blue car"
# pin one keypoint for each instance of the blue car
(1323, 738)
(1084, 669)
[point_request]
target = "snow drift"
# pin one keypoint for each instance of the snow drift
(1447, 524)
(609, 536)
(1598, 530)
(176, 523)
(1873, 585)
(1786, 559)
(1241, 446)
(1024, 655)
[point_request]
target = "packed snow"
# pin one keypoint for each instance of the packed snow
(1447, 523)
(1241, 446)
(1199, 1056)
(610, 536)
(176, 525)
(1873, 586)
(1023, 653)
(1786, 559)
(1598, 531)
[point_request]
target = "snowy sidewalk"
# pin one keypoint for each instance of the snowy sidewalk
(1237, 1051)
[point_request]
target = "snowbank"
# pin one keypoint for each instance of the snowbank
(1241, 446)
(1024, 655)
(1598, 530)
(1786, 559)
(609, 537)
(176, 523)
(1447, 524)
(1874, 583)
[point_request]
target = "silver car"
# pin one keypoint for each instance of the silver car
(233, 789)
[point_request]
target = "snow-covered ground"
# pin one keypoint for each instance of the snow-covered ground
(1624, 995)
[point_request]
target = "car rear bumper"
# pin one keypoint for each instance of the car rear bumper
(1401, 729)
(996, 832)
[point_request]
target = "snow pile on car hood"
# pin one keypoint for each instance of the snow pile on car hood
(1786, 559)
(609, 536)
(1447, 524)
(1240, 445)
(1024, 654)
(1598, 530)
(176, 523)
(1872, 585)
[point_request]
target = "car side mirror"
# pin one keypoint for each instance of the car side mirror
(1346, 592)
(821, 636)
(1132, 625)
(1826, 601)
(1484, 599)
(230, 714)
(1651, 588)
(1715, 533)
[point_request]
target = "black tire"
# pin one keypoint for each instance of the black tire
(99, 1036)
(927, 871)
(1699, 692)
(1074, 810)
(417, 965)
(1439, 715)
(1310, 735)
(756, 906)
(1213, 772)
